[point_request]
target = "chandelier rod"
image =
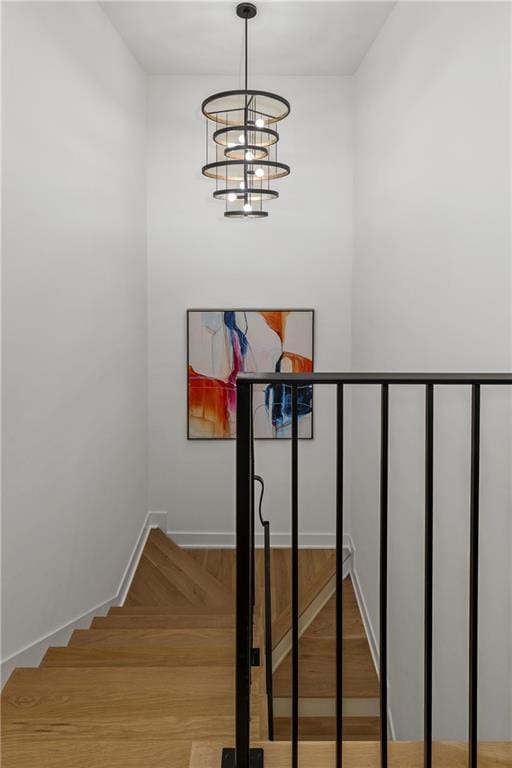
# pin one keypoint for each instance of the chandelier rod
(246, 111)
(246, 56)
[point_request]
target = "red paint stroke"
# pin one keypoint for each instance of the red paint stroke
(210, 403)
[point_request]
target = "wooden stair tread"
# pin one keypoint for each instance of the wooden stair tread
(165, 621)
(139, 656)
(159, 610)
(198, 637)
(98, 753)
(324, 728)
(317, 665)
(356, 754)
(108, 703)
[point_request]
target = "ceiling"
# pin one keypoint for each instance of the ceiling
(285, 38)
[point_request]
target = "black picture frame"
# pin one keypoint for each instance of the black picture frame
(247, 309)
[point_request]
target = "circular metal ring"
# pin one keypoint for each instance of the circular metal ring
(220, 106)
(271, 136)
(246, 215)
(258, 153)
(212, 170)
(253, 192)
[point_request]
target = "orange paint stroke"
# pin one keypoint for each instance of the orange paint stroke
(299, 364)
(276, 321)
(208, 403)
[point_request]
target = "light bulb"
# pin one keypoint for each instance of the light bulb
(260, 122)
(249, 156)
(259, 172)
(231, 144)
(247, 207)
(231, 197)
(242, 185)
(241, 139)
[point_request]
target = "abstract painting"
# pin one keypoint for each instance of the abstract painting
(224, 343)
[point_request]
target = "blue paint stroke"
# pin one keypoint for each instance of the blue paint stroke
(278, 401)
(230, 322)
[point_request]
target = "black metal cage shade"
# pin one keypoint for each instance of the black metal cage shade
(241, 144)
(229, 107)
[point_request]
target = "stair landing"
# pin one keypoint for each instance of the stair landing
(359, 754)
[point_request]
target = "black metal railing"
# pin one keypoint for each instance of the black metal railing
(267, 607)
(243, 756)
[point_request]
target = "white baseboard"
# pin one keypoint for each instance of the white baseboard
(368, 626)
(31, 655)
(217, 540)
(152, 520)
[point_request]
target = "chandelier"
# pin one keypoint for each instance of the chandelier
(242, 137)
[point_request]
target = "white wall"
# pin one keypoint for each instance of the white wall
(431, 291)
(300, 256)
(74, 338)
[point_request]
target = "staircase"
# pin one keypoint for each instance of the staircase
(152, 683)
(139, 686)
(155, 675)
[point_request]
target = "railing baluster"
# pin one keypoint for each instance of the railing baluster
(243, 568)
(295, 582)
(253, 534)
(268, 613)
(339, 578)
(268, 636)
(473, 576)
(429, 541)
(383, 586)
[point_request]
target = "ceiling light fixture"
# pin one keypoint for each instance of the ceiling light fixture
(238, 133)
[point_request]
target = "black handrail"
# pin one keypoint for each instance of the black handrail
(268, 613)
(243, 756)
